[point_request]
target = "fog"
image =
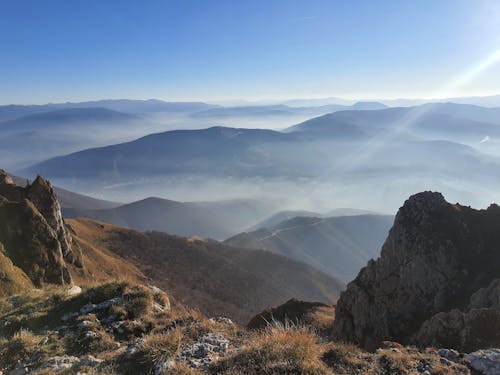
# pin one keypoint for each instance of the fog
(391, 155)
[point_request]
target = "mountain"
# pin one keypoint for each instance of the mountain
(212, 151)
(339, 246)
(217, 220)
(312, 314)
(141, 106)
(435, 283)
(284, 110)
(449, 121)
(345, 211)
(10, 112)
(280, 216)
(215, 278)
(65, 117)
(39, 136)
(365, 106)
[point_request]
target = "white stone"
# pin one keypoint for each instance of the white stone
(74, 290)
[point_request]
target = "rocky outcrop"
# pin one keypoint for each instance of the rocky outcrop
(477, 327)
(436, 258)
(293, 311)
(33, 232)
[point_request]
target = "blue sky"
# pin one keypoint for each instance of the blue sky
(211, 50)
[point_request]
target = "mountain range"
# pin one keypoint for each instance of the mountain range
(436, 144)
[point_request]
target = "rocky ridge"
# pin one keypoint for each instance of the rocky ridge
(33, 232)
(435, 283)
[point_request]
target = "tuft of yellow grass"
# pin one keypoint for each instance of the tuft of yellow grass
(22, 345)
(155, 348)
(278, 349)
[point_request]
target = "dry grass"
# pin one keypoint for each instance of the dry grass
(393, 359)
(137, 301)
(154, 349)
(21, 346)
(277, 350)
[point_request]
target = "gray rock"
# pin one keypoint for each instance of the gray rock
(486, 362)
(69, 316)
(107, 304)
(57, 364)
(205, 351)
(434, 259)
(221, 319)
(450, 354)
(164, 367)
(89, 360)
(88, 308)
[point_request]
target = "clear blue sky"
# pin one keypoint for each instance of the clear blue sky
(209, 50)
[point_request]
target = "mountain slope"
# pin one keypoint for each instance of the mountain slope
(217, 279)
(339, 246)
(38, 247)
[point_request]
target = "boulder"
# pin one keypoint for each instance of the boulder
(485, 362)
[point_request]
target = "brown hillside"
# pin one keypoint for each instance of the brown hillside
(217, 279)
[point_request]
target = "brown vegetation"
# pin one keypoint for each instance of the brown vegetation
(217, 279)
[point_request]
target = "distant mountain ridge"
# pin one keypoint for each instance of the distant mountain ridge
(12, 111)
(217, 220)
(338, 245)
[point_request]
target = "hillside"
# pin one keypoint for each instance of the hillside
(131, 326)
(217, 279)
(339, 246)
(40, 248)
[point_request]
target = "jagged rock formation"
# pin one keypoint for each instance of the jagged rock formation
(437, 258)
(33, 232)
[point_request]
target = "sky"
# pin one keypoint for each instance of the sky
(211, 50)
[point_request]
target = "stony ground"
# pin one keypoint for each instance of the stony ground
(117, 328)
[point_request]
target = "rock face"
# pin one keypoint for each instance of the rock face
(33, 232)
(437, 258)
